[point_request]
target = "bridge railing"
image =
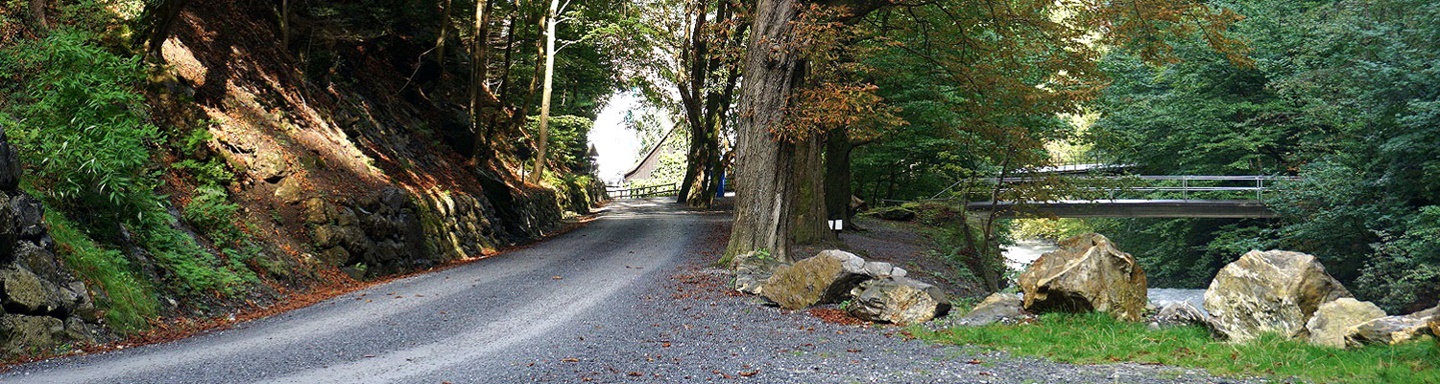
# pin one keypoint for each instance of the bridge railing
(1187, 187)
(618, 192)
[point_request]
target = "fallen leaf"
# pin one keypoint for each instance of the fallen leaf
(749, 374)
(636, 374)
(974, 361)
(556, 277)
(570, 360)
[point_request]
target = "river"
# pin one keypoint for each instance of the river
(1024, 252)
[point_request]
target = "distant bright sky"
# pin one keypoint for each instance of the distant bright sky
(618, 145)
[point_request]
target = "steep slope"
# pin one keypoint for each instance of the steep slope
(290, 174)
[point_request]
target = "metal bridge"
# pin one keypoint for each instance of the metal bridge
(1145, 196)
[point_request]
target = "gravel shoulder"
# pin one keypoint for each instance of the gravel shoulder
(629, 298)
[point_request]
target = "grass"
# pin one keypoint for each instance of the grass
(127, 300)
(1096, 339)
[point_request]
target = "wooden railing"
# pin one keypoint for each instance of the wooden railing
(616, 192)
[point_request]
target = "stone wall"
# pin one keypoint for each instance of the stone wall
(44, 305)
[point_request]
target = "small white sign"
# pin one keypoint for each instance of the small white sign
(837, 225)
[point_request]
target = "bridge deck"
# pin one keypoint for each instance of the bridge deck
(1130, 208)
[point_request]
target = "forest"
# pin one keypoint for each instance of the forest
(198, 159)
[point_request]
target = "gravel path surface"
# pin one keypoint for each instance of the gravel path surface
(628, 298)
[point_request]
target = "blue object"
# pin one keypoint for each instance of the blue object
(720, 192)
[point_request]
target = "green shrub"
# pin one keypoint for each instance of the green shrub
(77, 121)
(127, 300)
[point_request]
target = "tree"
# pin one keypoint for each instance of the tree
(157, 19)
(781, 199)
(542, 143)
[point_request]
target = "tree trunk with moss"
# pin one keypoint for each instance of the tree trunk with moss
(780, 197)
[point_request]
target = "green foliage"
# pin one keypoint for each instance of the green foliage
(1096, 338)
(127, 299)
(569, 141)
(77, 120)
(1048, 229)
(1342, 95)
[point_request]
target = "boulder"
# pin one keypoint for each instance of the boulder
(291, 190)
(997, 308)
(752, 270)
(1178, 313)
(23, 334)
(1391, 330)
(1335, 319)
(26, 293)
(1272, 291)
(29, 216)
(1086, 274)
(898, 300)
(879, 270)
(824, 278)
(9, 165)
(270, 166)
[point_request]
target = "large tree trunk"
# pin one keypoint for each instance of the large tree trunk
(837, 175)
(780, 198)
(543, 141)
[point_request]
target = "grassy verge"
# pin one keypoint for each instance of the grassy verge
(1096, 338)
(127, 300)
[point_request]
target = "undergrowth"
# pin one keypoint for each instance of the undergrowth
(1096, 338)
(80, 124)
(126, 299)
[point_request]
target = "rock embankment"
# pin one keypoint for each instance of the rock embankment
(44, 305)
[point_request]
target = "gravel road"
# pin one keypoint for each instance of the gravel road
(627, 298)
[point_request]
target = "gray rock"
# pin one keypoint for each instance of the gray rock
(752, 270)
(996, 308)
(1274, 291)
(269, 166)
(899, 300)
(21, 334)
(28, 294)
(1391, 330)
(881, 270)
(825, 278)
(29, 216)
(1178, 313)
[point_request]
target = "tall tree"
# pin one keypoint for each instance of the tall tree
(543, 141)
(778, 168)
